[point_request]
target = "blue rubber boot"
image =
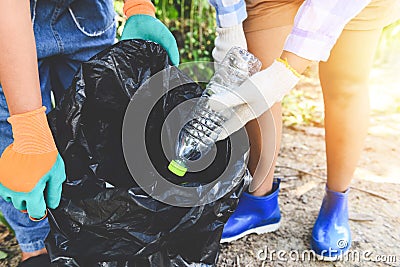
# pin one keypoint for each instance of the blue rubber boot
(254, 215)
(331, 236)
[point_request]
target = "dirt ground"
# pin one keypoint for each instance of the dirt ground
(374, 198)
(374, 213)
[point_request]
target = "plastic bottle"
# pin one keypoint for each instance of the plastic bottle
(199, 134)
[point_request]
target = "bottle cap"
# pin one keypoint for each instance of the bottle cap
(177, 168)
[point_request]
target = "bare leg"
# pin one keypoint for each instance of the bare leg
(265, 132)
(27, 255)
(344, 80)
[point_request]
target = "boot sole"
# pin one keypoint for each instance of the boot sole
(332, 259)
(258, 230)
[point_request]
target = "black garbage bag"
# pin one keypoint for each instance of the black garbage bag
(105, 218)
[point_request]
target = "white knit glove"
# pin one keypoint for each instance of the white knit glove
(255, 96)
(226, 39)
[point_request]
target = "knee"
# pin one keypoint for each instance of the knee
(345, 91)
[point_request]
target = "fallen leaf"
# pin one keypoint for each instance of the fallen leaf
(3, 255)
(301, 190)
(361, 217)
(4, 232)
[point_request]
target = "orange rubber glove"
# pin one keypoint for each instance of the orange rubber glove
(136, 7)
(31, 170)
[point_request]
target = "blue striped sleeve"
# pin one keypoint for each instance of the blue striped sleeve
(229, 12)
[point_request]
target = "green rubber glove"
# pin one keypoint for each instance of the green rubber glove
(31, 169)
(50, 185)
(148, 28)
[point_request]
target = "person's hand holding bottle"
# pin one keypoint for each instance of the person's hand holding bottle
(252, 98)
(262, 90)
(256, 95)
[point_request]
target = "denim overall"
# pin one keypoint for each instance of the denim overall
(67, 32)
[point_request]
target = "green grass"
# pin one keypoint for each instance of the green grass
(192, 22)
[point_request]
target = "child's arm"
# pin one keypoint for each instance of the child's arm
(18, 62)
(31, 164)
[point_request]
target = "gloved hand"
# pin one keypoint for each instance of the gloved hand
(255, 96)
(31, 170)
(226, 39)
(142, 24)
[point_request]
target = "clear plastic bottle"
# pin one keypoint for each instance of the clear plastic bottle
(199, 134)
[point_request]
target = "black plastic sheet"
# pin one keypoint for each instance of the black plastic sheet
(99, 225)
